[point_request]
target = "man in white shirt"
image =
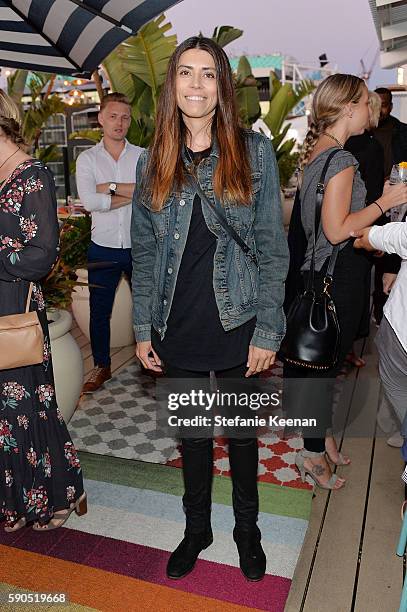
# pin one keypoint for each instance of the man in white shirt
(391, 339)
(105, 179)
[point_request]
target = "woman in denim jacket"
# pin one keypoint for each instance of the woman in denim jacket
(202, 308)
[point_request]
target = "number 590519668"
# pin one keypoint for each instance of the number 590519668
(13, 598)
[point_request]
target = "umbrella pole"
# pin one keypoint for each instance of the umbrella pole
(98, 83)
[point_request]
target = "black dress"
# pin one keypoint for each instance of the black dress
(39, 468)
(195, 339)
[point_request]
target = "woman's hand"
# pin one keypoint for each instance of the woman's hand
(362, 239)
(393, 195)
(388, 281)
(148, 357)
(259, 360)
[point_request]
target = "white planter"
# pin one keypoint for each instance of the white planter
(67, 362)
(287, 204)
(121, 323)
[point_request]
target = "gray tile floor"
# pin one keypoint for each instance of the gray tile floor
(120, 420)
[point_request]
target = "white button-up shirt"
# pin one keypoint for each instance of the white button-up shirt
(110, 228)
(392, 238)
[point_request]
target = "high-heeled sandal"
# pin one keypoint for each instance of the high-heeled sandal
(342, 459)
(80, 507)
(22, 522)
(301, 456)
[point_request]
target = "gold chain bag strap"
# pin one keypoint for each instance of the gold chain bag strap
(21, 338)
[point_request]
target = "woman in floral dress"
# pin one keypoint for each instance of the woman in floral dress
(40, 474)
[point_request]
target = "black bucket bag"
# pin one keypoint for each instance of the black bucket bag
(313, 335)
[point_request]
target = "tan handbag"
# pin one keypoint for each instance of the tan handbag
(21, 338)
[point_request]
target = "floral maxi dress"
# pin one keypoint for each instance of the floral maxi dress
(39, 469)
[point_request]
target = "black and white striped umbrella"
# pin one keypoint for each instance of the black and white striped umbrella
(69, 36)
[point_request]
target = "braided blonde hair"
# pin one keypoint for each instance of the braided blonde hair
(330, 98)
(10, 119)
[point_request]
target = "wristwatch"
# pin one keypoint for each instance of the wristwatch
(112, 188)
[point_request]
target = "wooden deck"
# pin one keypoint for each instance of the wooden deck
(348, 561)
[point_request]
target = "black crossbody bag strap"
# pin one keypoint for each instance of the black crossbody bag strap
(317, 222)
(222, 220)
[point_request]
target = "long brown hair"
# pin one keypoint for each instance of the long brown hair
(165, 170)
(330, 98)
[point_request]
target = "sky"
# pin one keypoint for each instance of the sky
(343, 29)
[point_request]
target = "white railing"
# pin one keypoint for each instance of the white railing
(294, 73)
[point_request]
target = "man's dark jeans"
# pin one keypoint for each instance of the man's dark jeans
(102, 297)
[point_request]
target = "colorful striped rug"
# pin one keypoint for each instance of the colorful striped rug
(113, 559)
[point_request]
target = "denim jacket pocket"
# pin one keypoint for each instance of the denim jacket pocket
(161, 219)
(241, 217)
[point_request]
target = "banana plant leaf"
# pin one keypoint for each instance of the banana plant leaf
(141, 131)
(143, 100)
(244, 70)
(41, 108)
(248, 104)
(274, 84)
(278, 138)
(283, 100)
(16, 84)
(278, 109)
(39, 113)
(224, 35)
(144, 56)
(247, 93)
(303, 89)
(142, 113)
(285, 148)
(120, 80)
(36, 82)
(147, 54)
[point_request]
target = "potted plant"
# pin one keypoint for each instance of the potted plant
(57, 288)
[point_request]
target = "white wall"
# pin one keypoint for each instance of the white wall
(400, 105)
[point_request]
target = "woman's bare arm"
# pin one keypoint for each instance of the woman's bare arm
(337, 220)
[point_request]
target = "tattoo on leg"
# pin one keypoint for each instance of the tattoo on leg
(318, 470)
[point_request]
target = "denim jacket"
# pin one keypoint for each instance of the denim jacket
(242, 290)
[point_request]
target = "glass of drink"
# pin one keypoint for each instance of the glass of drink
(398, 174)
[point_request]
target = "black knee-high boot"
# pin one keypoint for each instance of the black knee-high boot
(244, 458)
(197, 459)
(197, 462)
